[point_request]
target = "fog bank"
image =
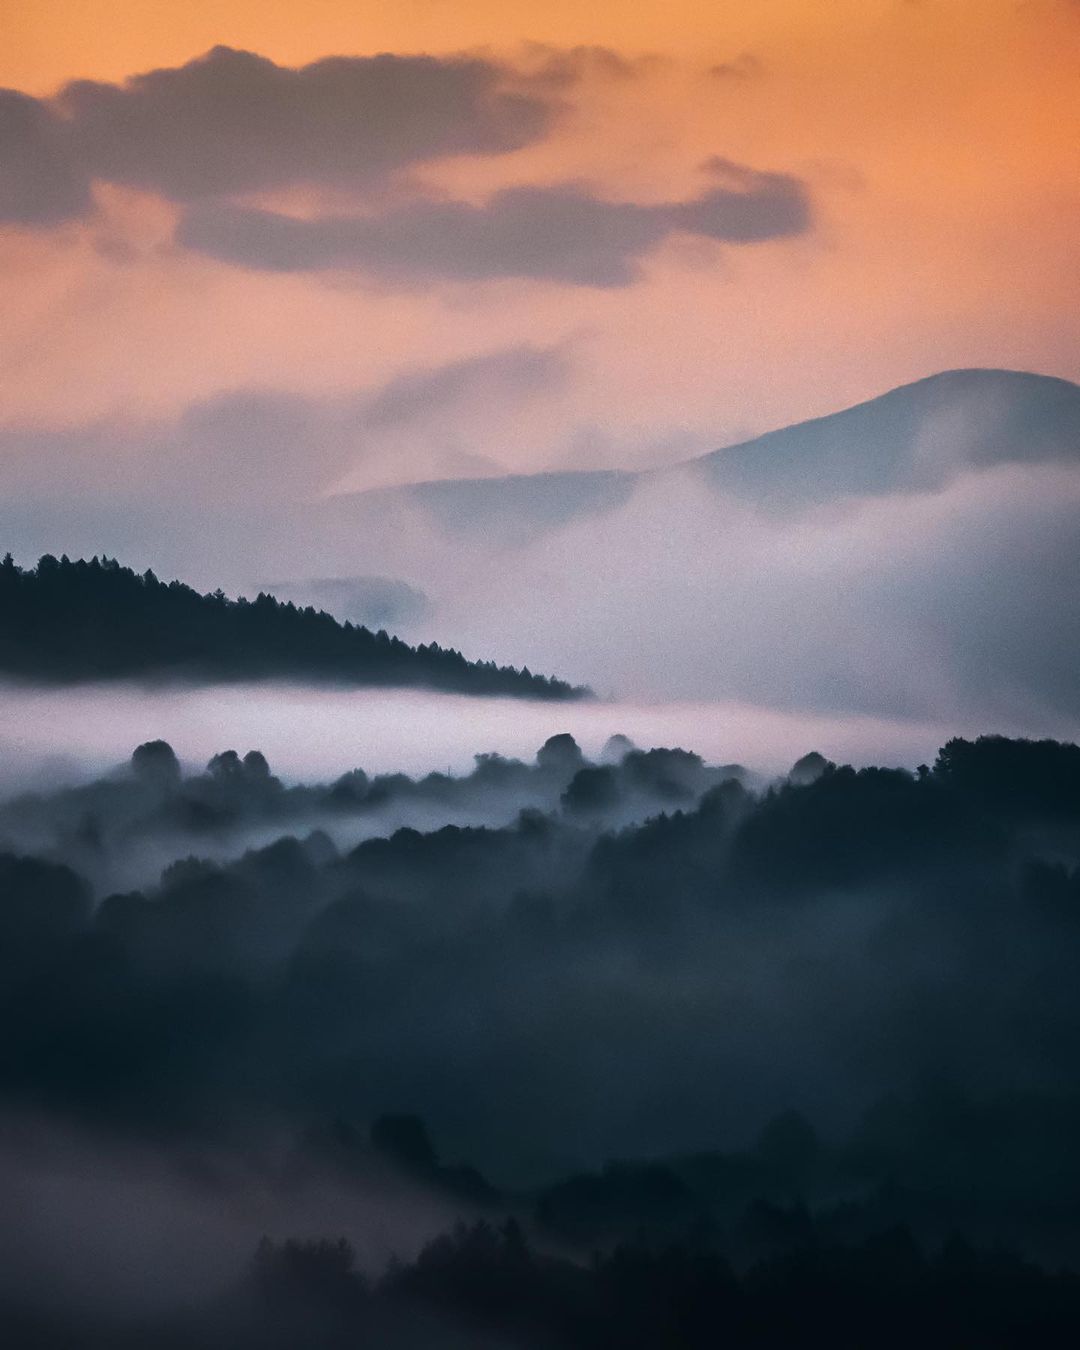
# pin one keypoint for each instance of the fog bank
(50, 736)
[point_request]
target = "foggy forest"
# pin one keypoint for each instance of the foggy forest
(639, 1042)
(539, 675)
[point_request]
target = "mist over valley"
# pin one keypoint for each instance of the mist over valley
(539, 683)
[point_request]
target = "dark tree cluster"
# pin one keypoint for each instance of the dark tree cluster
(815, 945)
(484, 1285)
(69, 622)
(870, 975)
(129, 824)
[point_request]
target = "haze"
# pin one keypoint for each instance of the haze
(705, 376)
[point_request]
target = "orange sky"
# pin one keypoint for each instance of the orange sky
(50, 42)
(939, 141)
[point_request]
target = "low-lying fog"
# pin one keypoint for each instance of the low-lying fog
(53, 736)
(233, 1005)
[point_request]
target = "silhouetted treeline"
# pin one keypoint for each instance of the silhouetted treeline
(634, 990)
(883, 1291)
(79, 621)
(816, 1030)
(124, 828)
(484, 1285)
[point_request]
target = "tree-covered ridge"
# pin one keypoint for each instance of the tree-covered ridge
(95, 620)
(777, 1067)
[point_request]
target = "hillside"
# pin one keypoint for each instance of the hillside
(70, 622)
(914, 437)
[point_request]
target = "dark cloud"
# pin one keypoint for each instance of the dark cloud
(746, 207)
(554, 234)
(233, 122)
(515, 372)
(745, 66)
(562, 233)
(40, 183)
(564, 66)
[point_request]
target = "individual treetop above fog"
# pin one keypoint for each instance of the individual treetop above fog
(103, 827)
(70, 622)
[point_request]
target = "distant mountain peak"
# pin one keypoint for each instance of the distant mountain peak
(914, 437)
(911, 438)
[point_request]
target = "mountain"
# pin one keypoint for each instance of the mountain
(502, 510)
(913, 438)
(535, 501)
(69, 621)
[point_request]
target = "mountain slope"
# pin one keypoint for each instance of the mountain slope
(915, 437)
(77, 621)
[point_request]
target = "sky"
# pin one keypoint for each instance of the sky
(266, 265)
(750, 213)
(254, 259)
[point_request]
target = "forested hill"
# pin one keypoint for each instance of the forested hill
(70, 622)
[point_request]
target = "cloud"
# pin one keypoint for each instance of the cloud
(266, 444)
(40, 183)
(514, 372)
(560, 67)
(234, 122)
(562, 233)
(251, 447)
(939, 606)
(748, 206)
(215, 133)
(940, 594)
(247, 443)
(745, 66)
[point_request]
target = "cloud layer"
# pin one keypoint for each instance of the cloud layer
(244, 448)
(40, 181)
(914, 567)
(562, 234)
(232, 122)
(231, 125)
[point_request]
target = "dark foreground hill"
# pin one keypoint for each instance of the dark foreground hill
(774, 1070)
(71, 622)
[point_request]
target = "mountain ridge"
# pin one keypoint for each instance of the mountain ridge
(916, 430)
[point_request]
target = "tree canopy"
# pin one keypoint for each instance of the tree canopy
(69, 622)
